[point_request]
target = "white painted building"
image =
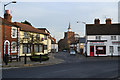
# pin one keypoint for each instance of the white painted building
(103, 39)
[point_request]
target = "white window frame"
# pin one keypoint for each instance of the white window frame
(113, 38)
(15, 36)
(15, 47)
(98, 37)
(111, 49)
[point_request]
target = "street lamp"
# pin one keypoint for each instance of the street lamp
(4, 30)
(85, 36)
(8, 4)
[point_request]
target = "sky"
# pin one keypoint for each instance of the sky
(55, 16)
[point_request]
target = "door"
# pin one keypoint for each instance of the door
(6, 48)
(91, 50)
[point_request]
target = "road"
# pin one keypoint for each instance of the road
(74, 67)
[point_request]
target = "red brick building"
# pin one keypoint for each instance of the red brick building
(10, 33)
(69, 37)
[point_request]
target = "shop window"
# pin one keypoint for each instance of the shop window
(100, 49)
(14, 32)
(111, 49)
(113, 37)
(98, 37)
(13, 47)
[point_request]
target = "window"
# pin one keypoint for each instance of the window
(113, 37)
(119, 49)
(111, 49)
(27, 48)
(36, 48)
(25, 35)
(98, 37)
(13, 47)
(14, 32)
(38, 36)
(45, 47)
(45, 37)
(100, 49)
(40, 48)
(24, 48)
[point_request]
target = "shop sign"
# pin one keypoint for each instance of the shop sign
(97, 43)
(116, 42)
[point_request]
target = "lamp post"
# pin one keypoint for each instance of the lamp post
(8, 4)
(85, 36)
(4, 29)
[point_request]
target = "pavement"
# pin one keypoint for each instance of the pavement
(14, 64)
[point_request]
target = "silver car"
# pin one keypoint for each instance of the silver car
(72, 52)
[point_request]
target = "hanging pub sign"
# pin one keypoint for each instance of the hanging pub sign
(116, 42)
(96, 43)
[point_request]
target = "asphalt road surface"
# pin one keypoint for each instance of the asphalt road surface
(74, 67)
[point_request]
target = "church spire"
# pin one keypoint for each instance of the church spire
(69, 27)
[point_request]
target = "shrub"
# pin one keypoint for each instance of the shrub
(37, 58)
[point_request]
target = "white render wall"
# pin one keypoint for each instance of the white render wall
(107, 44)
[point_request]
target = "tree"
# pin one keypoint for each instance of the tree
(26, 22)
(30, 38)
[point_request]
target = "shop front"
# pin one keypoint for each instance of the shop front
(96, 48)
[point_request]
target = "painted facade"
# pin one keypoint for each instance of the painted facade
(32, 40)
(103, 39)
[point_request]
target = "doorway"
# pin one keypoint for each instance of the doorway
(91, 50)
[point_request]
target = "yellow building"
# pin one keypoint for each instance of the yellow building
(32, 40)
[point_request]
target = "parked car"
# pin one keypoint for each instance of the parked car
(72, 52)
(64, 50)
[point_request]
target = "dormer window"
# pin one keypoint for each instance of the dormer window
(14, 32)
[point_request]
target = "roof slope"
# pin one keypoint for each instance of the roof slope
(29, 28)
(103, 29)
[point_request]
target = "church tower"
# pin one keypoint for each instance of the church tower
(69, 27)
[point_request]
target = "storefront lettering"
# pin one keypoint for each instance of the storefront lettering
(97, 43)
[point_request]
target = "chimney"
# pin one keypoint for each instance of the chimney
(96, 21)
(108, 21)
(7, 16)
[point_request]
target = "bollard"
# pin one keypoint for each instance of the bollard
(25, 61)
(40, 58)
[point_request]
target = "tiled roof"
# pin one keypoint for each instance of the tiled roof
(103, 29)
(43, 29)
(29, 28)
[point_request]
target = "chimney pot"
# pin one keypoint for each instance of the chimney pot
(97, 21)
(6, 11)
(7, 16)
(108, 21)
